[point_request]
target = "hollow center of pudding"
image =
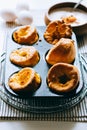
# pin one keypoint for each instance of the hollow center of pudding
(63, 79)
(24, 54)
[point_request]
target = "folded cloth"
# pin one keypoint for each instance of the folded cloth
(83, 62)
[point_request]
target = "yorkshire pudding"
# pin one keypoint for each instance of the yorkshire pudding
(56, 30)
(24, 81)
(63, 51)
(63, 77)
(25, 35)
(25, 56)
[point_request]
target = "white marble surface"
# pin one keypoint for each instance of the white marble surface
(41, 125)
(36, 125)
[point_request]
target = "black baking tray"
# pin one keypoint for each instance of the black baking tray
(42, 67)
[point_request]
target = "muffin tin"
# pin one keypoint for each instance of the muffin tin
(42, 67)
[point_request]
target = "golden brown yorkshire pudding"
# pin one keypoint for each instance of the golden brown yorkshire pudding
(63, 51)
(63, 77)
(25, 56)
(26, 80)
(56, 30)
(26, 35)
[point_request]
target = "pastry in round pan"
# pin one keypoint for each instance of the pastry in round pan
(25, 56)
(63, 77)
(56, 30)
(24, 81)
(26, 35)
(63, 51)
